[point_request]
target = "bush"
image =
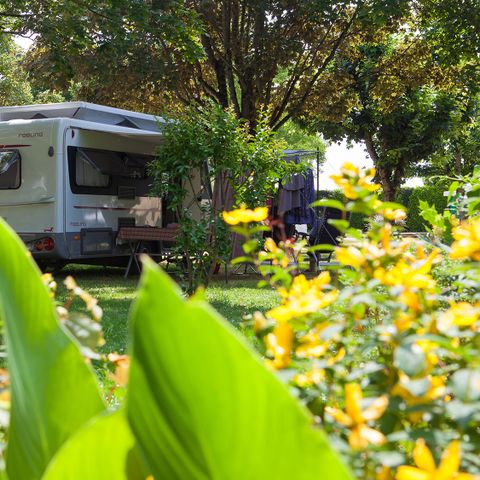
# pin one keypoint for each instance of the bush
(433, 194)
(357, 220)
(386, 358)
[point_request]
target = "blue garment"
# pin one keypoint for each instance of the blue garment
(303, 213)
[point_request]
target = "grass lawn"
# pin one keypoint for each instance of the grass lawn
(115, 294)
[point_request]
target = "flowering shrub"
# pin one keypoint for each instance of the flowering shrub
(386, 359)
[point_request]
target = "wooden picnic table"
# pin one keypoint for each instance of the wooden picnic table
(135, 236)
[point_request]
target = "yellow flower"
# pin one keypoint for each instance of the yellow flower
(350, 256)
(279, 345)
(50, 283)
(403, 321)
(425, 465)
(307, 379)
(339, 356)
(121, 363)
(429, 348)
(311, 346)
(409, 276)
(435, 390)
(467, 241)
(270, 245)
(353, 181)
(284, 262)
(259, 322)
(304, 297)
(461, 314)
(384, 473)
(395, 215)
(245, 215)
(361, 435)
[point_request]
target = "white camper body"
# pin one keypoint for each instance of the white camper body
(71, 174)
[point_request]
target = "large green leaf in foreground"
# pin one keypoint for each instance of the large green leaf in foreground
(203, 406)
(104, 449)
(53, 391)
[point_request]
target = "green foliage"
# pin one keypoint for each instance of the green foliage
(47, 96)
(251, 162)
(14, 86)
(433, 195)
(384, 354)
(235, 165)
(200, 404)
(295, 137)
(143, 55)
(50, 380)
(392, 101)
(230, 433)
(357, 220)
(452, 29)
(103, 448)
(106, 45)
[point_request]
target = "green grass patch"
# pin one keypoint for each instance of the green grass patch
(235, 299)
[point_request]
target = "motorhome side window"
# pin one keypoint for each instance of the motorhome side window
(87, 172)
(104, 172)
(9, 169)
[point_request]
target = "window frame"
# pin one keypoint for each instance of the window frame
(19, 161)
(116, 180)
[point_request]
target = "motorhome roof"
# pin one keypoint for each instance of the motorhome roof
(83, 111)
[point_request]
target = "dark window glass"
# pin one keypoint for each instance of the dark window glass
(103, 172)
(9, 169)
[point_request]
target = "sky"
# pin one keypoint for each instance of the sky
(336, 154)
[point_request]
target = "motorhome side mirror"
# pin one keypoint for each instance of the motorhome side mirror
(51, 151)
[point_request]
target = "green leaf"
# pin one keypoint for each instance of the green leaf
(250, 246)
(238, 260)
(453, 188)
(391, 205)
(53, 391)
(324, 247)
(410, 359)
(465, 384)
(340, 225)
(105, 448)
(461, 412)
(203, 406)
(325, 202)
(418, 387)
(86, 331)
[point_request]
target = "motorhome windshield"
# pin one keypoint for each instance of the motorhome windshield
(9, 169)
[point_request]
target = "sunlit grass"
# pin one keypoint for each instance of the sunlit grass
(234, 300)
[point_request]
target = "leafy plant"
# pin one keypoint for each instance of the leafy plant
(387, 357)
(232, 165)
(200, 404)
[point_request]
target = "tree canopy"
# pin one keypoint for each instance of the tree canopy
(401, 76)
(243, 54)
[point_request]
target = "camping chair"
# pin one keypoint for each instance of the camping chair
(323, 233)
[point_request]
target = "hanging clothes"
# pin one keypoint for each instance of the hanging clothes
(295, 197)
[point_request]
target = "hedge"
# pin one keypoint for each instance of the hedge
(409, 197)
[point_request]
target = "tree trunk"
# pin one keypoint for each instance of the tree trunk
(389, 189)
(390, 177)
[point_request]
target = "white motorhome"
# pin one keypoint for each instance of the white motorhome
(72, 174)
